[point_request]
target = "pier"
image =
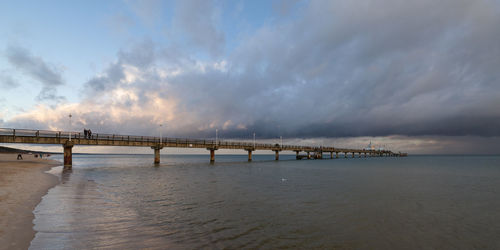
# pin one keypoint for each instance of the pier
(68, 139)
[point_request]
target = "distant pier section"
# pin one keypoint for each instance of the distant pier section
(69, 139)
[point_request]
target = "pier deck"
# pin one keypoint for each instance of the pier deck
(68, 139)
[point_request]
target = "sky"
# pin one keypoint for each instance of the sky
(413, 76)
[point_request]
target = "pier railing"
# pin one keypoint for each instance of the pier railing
(149, 139)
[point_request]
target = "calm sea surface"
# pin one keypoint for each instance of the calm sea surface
(417, 202)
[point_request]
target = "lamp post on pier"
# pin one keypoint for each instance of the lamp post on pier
(160, 131)
(254, 140)
(69, 134)
(281, 137)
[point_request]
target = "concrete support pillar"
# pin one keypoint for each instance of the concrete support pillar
(337, 155)
(345, 154)
(276, 155)
(365, 154)
(331, 155)
(157, 153)
(297, 155)
(249, 155)
(68, 154)
(212, 155)
(359, 154)
(352, 154)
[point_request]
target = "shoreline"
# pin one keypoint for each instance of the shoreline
(23, 183)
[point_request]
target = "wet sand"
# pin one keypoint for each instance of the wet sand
(23, 183)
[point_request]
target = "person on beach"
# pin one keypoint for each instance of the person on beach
(19, 157)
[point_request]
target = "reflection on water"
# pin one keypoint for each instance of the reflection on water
(66, 173)
(383, 203)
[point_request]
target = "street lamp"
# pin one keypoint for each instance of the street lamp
(281, 137)
(69, 134)
(160, 132)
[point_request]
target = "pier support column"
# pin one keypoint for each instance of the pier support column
(249, 154)
(276, 155)
(359, 154)
(365, 154)
(297, 154)
(337, 155)
(331, 155)
(68, 153)
(308, 155)
(345, 154)
(352, 154)
(157, 153)
(212, 155)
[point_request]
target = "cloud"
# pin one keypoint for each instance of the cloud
(36, 68)
(197, 21)
(337, 69)
(7, 81)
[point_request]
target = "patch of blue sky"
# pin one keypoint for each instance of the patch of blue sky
(243, 18)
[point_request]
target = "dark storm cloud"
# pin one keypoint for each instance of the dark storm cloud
(349, 69)
(36, 68)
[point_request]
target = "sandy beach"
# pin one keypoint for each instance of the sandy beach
(23, 183)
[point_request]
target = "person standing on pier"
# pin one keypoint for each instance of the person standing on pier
(85, 133)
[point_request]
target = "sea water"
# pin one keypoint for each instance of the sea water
(415, 202)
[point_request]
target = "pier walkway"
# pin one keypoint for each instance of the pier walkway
(68, 139)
